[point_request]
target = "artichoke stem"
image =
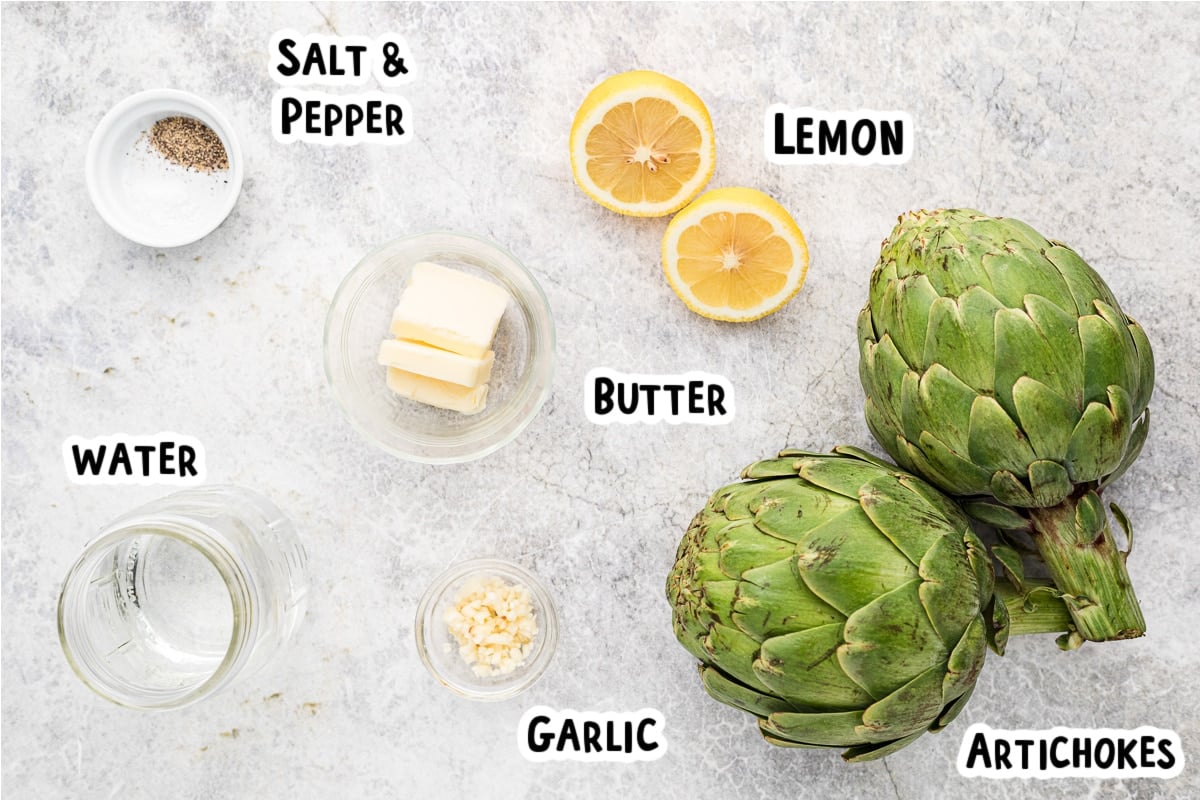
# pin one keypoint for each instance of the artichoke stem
(1088, 568)
(1033, 612)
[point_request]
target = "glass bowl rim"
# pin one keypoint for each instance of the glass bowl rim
(532, 670)
(541, 332)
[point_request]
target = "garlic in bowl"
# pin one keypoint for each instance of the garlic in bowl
(486, 629)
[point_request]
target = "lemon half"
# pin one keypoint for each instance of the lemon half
(735, 255)
(642, 144)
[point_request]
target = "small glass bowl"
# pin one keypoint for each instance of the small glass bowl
(360, 317)
(439, 649)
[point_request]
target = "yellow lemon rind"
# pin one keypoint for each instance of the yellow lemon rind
(736, 200)
(627, 87)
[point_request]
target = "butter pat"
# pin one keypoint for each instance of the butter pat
(449, 309)
(432, 392)
(433, 362)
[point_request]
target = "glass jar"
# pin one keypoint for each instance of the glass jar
(181, 597)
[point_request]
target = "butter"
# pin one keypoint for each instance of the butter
(432, 392)
(433, 362)
(449, 309)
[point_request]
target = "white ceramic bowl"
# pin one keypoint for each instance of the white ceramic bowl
(145, 197)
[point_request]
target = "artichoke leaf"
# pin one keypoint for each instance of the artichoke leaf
(803, 669)
(943, 403)
(691, 634)
(1086, 285)
(856, 755)
(1106, 360)
(1001, 627)
(1137, 438)
(718, 598)
(996, 443)
(862, 455)
(966, 660)
(1145, 367)
(1090, 519)
(1018, 272)
(904, 518)
(950, 591)
(977, 309)
(732, 502)
(952, 259)
(731, 692)
(889, 369)
(745, 545)
(915, 297)
(1008, 489)
(773, 600)
(953, 471)
(949, 343)
(907, 710)
(795, 453)
(1062, 369)
(891, 641)
(1049, 483)
(695, 555)
(951, 514)
(1045, 416)
(842, 476)
(734, 653)
(881, 429)
(1126, 526)
(951, 710)
(1024, 235)
(996, 515)
(830, 729)
(790, 509)
(1116, 318)
(910, 390)
(980, 561)
(782, 467)
(866, 333)
(1014, 567)
(847, 563)
(1121, 404)
(1021, 351)
(1096, 445)
(776, 741)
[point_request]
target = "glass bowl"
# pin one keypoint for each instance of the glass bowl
(439, 649)
(360, 317)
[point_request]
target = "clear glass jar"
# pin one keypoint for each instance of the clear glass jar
(181, 597)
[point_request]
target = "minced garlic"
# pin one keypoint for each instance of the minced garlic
(494, 625)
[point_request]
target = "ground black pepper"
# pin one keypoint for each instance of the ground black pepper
(189, 143)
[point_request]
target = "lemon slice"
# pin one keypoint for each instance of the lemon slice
(735, 255)
(642, 144)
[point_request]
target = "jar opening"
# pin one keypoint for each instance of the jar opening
(153, 616)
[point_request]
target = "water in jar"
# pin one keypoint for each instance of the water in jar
(160, 616)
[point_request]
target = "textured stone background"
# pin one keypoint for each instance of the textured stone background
(1080, 120)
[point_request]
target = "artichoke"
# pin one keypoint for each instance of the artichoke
(999, 366)
(842, 602)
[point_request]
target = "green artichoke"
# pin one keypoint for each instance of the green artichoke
(999, 366)
(842, 602)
